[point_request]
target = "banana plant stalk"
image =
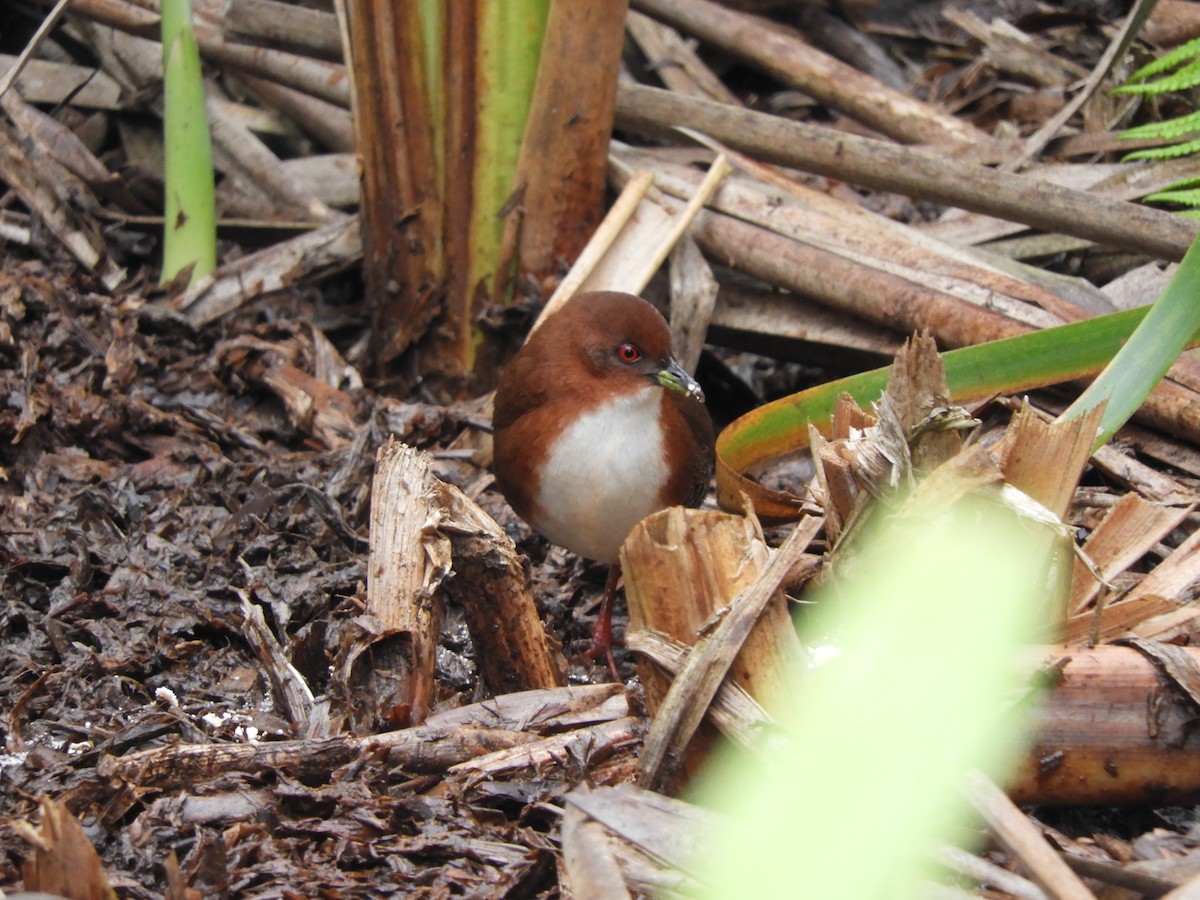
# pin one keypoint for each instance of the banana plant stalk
(442, 93)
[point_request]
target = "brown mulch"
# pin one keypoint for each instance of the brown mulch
(147, 493)
(150, 493)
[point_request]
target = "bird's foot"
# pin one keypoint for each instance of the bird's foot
(602, 647)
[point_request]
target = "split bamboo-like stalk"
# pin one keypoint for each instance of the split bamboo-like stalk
(421, 528)
(1046, 459)
(407, 563)
(681, 566)
(514, 651)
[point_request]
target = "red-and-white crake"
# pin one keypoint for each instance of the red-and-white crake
(596, 426)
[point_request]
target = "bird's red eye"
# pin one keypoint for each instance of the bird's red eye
(629, 353)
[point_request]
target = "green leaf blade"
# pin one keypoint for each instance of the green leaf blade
(1167, 328)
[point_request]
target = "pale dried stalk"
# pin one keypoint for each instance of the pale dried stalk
(446, 739)
(606, 234)
(625, 258)
(633, 255)
(798, 63)
(916, 173)
(712, 181)
(1024, 841)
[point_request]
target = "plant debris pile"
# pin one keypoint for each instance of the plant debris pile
(186, 491)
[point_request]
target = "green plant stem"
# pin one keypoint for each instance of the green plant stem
(190, 218)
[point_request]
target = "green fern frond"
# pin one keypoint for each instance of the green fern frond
(1184, 197)
(1187, 77)
(1182, 130)
(1167, 61)
(1183, 183)
(1173, 152)
(1170, 130)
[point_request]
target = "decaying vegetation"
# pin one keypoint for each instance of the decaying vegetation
(266, 628)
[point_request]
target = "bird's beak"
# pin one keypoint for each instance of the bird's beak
(673, 377)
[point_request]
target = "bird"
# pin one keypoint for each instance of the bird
(595, 427)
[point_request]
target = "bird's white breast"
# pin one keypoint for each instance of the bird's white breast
(603, 475)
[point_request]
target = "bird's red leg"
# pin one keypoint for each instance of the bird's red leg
(602, 634)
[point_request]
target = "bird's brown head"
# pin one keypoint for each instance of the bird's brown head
(601, 344)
